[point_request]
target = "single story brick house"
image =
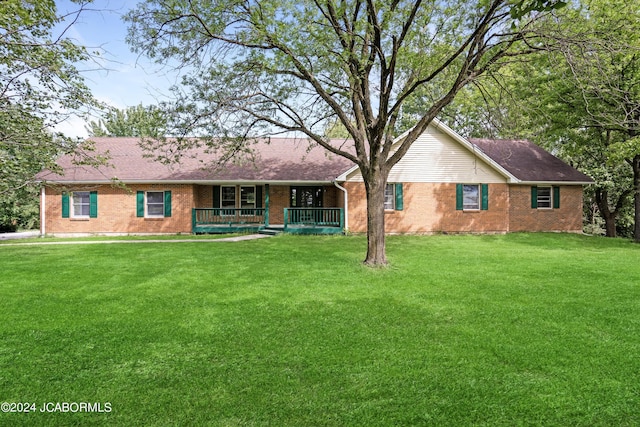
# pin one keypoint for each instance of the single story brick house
(445, 183)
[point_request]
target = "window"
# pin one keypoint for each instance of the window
(544, 197)
(155, 203)
(470, 197)
(228, 199)
(247, 200)
(248, 197)
(80, 204)
(389, 197)
(393, 198)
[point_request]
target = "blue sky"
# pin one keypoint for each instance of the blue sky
(119, 77)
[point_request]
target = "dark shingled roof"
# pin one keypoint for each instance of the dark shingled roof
(529, 162)
(280, 159)
(287, 160)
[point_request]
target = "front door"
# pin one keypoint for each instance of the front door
(306, 197)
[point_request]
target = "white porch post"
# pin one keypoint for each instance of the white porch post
(346, 204)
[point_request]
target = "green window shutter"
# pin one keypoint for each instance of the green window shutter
(459, 197)
(556, 197)
(167, 204)
(258, 196)
(485, 196)
(534, 197)
(140, 204)
(65, 205)
(93, 204)
(399, 197)
(216, 197)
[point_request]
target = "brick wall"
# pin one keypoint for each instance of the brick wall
(332, 197)
(278, 200)
(357, 207)
(428, 208)
(117, 211)
(568, 218)
(431, 208)
(203, 196)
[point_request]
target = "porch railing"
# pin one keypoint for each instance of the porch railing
(318, 217)
(223, 216)
(305, 220)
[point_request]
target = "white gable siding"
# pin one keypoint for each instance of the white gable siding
(437, 157)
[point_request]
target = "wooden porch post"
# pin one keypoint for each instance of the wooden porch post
(266, 205)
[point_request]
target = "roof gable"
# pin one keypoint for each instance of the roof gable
(444, 156)
(516, 161)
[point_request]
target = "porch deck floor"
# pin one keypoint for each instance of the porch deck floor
(254, 228)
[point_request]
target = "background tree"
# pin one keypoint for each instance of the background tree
(137, 121)
(256, 68)
(592, 100)
(538, 100)
(578, 97)
(39, 88)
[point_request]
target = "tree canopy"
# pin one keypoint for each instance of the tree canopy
(40, 87)
(136, 121)
(255, 68)
(578, 98)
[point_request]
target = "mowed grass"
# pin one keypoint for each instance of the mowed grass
(521, 329)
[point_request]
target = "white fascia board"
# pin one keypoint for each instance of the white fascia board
(345, 176)
(556, 183)
(198, 182)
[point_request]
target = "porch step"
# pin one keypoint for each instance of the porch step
(271, 231)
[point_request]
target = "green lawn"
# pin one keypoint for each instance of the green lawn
(522, 329)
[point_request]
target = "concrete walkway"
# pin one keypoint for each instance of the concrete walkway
(95, 242)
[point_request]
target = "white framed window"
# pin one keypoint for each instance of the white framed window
(155, 204)
(390, 197)
(248, 197)
(228, 197)
(393, 197)
(81, 204)
(545, 198)
(470, 197)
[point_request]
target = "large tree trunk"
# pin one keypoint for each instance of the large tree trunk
(610, 225)
(636, 197)
(602, 201)
(376, 251)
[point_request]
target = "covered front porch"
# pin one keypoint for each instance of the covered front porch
(296, 220)
(269, 208)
